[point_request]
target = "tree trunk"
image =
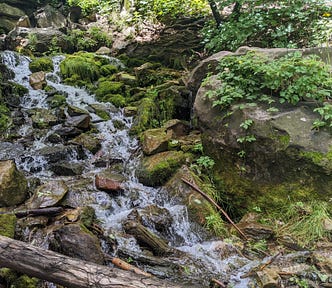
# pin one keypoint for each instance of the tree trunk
(216, 15)
(69, 272)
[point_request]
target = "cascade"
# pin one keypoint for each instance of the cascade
(117, 144)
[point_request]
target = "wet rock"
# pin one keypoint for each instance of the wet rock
(37, 80)
(76, 241)
(157, 169)
(155, 141)
(153, 217)
(88, 141)
(80, 122)
(109, 182)
(76, 111)
(43, 118)
(104, 51)
(13, 185)
(10, 150)
(269, 278)
(9, 15)
(48, 16)
(65, 168)
(198, 207)
(48, 194)
(23, 22)
(60, 152)
(252, 228)
(68, 132)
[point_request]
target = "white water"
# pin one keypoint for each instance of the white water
(116, 144)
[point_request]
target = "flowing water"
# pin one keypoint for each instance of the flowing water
(116, 144)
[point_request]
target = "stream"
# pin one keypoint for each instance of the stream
(111, 210)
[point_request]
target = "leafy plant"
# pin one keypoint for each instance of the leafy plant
(282, 23)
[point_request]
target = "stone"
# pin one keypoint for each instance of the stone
(80, 122)
(23, 22)
(48, 194)
(13, 184)
(155, 140)
(60, 152)
(77, 241)
(88, 141)
(43, 118)
(48, 16)
(253, 229)
(269, 278)
(104, 51)
(68, 132)
(37, 80)
(109, 182)
(157, 169)
(66, 168)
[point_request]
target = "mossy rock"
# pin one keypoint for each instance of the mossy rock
(57, 101)
(88, 141)
(108, 70)
(7, 225)
(155, 170)
(108, 87)
(41, 64)
(5, 119)
(82, 66)
(19, 89)
(146, 116)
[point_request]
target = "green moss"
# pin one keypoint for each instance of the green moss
(41, 64)
(158, 168)
(318, 158)
(108, 87)
(25, 281)
(146, 116)
(4, 118)
(82, 66)
(57, 101)
(7, 225)
(18, 89)
(88, 216)
(103, 114)
(107, 70)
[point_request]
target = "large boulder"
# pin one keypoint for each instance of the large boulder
(289, 160)
(48, 16)
(9, 15)
(13, 185)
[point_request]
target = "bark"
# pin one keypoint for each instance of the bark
(69, 272)
(216, 15)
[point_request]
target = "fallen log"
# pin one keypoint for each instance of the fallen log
(57, 268)
(49, 211)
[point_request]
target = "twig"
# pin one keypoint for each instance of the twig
(222, 285)
(216, 205)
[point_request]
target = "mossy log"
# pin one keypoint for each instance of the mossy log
(66, 271)
(146, 238)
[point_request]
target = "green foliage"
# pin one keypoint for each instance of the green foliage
(171, 9)
(306, 221)
(4, 118)
(254, 78)
(215, 224)
(41, 64)
(282, 23)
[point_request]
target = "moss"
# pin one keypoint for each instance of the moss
(7, 225)
(103, 114)
(146, 116)
(157, 169)
(41, 64)
(88, 216)
(25, 281)
(18, 89)
(84, 66)
(321, 159)
(57, 101)
(107, 70)
(4, 118)
(108, 87)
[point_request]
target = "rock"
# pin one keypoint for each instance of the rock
(75, 13)
(252, 228)
(76, 241)
(177, 127)
(9, 16)
(126, 78)
(10, 150)
(43, 118)
(155, 140)
(68, 132)
(88, 141)
(13, 185)
(109, 182)
(104, 51)
(76, 111)
(130, 111)
(198, 207)
(287, 159)
(57, 153)
(157, 169)
(23, 22)
(65, 168)
(48, 16)
(153, 217)
(80, 122)
(48, 194)
(37, 80)
(269, 278)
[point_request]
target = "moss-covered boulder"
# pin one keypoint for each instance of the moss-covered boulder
(13, 185)
(88, 141)
(155, 140)
(285, 159)
(156, 169)
(42, 118)
(41, 64)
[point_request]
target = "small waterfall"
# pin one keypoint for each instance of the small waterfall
(116, 144)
